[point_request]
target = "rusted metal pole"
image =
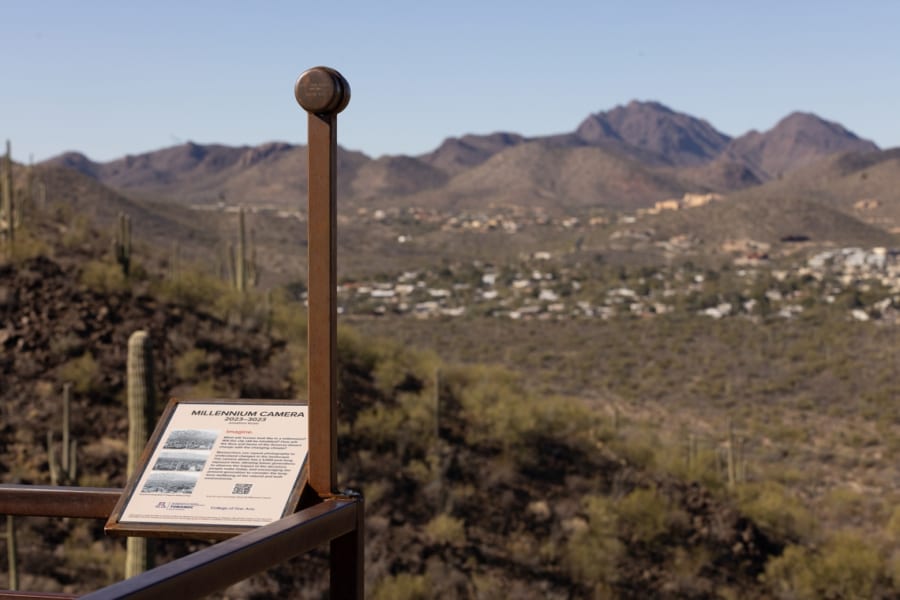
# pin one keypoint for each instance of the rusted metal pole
(323, 93)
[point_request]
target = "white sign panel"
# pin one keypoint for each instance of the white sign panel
(221, 463)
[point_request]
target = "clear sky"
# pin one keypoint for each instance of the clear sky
(109, 78)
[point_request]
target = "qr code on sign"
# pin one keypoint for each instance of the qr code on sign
(242, 488)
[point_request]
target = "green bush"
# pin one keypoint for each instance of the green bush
(196, 288)
(402, 587)
(82, 372)
(446, 529)
(643, 514)
(776, 511)
(893, 526)
(848, 566)
(188, 364)
(407, 426)
(104, 277)
(289, 320)
(593, 551)
(354, 349)
(395, 364)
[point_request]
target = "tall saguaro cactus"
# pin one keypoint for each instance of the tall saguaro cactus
(123, 243)
(140, 421)
(9, 199)
(64, 470)
(12, 553)
(240, 263)
(242, 259)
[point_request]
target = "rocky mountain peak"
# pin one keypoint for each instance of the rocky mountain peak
(676, 138)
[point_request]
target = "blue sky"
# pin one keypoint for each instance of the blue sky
(110, 78)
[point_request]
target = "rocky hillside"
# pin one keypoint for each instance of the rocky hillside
(474, 487)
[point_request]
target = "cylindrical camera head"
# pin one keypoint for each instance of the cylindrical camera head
(322, 90)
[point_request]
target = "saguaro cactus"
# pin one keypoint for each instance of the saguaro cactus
(65, 470)
(9, 199)
(123, 243)
(140, 420)
(240, 262)
(11, 553)
(242, 259)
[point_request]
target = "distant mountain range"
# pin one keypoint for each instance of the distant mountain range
(627, 157)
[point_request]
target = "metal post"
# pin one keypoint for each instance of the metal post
(347, 559)
(323, 93)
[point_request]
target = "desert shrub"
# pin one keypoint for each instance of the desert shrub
(83, 373)
(643, 514)
(844, 503)
(397, 367)
(446, 529)
(487, 586)
(496, 412)
(289, 320)
(207, 388)
(199, 289)
(791, 575)
(188, 364)
(102, 559)
(403, 586)
(379, 424)
(848, 566)
(776, 510)
(893, 526)
(407, 426)
(686, 567)
(300, 368)
(639, 448)
(77, 230)
(569, 419)
(375, 492)
(671, 456)
(27, 246)
(102, 276)
(593, 550)
(69, 344)
(893, 568)
(355, 350)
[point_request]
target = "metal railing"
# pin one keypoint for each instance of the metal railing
(336, 519)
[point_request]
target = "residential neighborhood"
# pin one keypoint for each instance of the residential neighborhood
(865, 282)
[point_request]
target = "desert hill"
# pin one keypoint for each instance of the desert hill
(866, 184)
(555, 178)
(769, 215)
(457, 154)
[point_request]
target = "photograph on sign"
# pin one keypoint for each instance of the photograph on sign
(217, 463)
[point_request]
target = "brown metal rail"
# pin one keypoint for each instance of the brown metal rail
(57, 501)
(7, 595)
(231, 561)
(338, 520)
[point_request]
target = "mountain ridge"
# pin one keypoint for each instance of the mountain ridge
(669, 152)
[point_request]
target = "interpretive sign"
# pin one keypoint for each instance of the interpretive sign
(214, 468)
